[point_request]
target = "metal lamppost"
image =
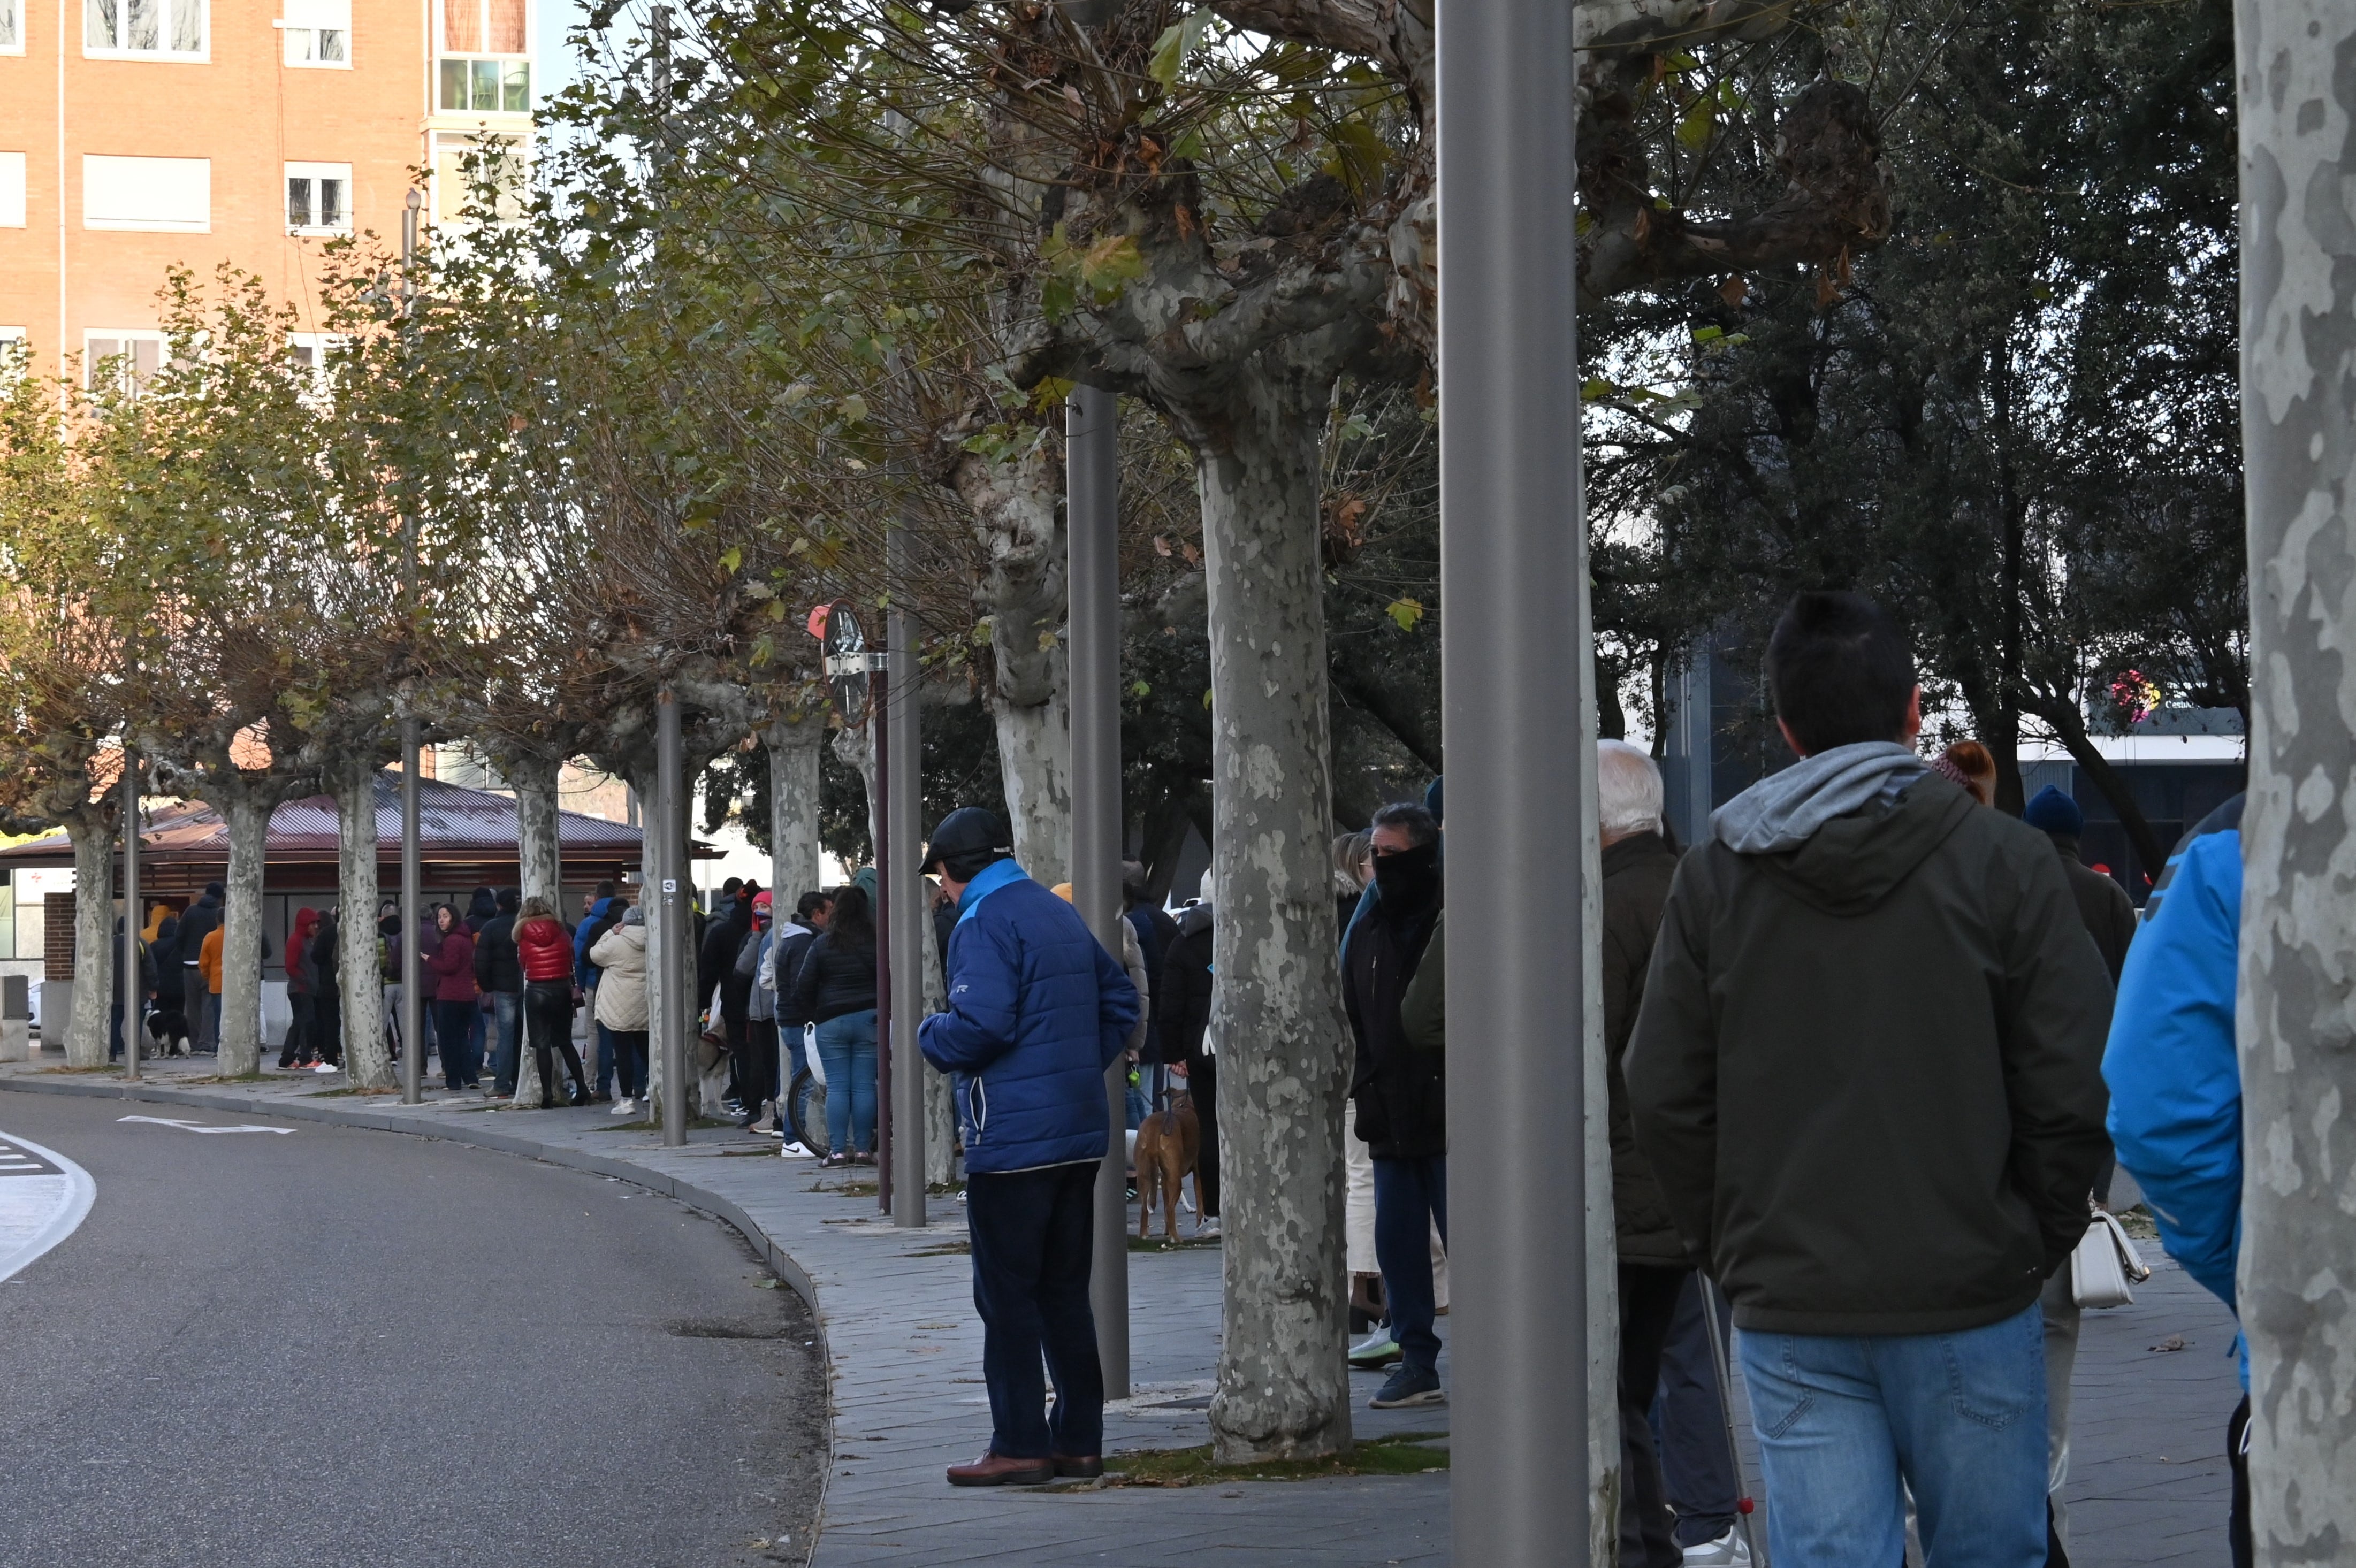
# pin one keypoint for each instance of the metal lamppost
(131, 996)
(1516, 653)
(677, 968)
(1092, 450)
(902, 1163)
(412, 859)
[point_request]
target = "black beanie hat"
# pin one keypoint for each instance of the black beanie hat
(967, 839)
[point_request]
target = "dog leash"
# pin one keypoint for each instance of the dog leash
(1742, 1503)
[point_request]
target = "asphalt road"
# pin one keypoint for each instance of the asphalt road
(347, 1348)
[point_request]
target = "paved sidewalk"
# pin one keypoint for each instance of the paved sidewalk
(2148, 1483)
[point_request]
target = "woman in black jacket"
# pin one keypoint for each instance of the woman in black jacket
(835, 991)
(328, 1001)
(1182, 1007)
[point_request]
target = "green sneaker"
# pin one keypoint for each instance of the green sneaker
(1376, 1350)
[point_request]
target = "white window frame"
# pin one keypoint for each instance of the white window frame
(12, 186)
(15, 10)
(303, 22)
(450, 190)
(525, 57)
(123, 334)
(201, 55)
(146, 224)
(12, 340)
(316, 173)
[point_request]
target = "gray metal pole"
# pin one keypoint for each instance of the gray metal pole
(131, 992)
(907, 901)
(412, 921)
(1092, 450)
(679, 1003)
(1514, 640)
(412, 859)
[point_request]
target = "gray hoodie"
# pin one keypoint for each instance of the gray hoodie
(1783, 811)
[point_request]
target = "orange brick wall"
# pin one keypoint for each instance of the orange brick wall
(243, 109)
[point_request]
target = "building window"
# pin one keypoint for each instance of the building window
(463, 164)
(15, 353)
(320, 198)
(125, 360)
(155, 30)
(12, 27)
(318, 32)
(171, 195)
(12, 187)
(479, 86)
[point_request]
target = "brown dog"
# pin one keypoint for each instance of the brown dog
(1167, 1144)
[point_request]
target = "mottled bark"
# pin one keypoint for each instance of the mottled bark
(1018, 515)
(1276, 1012)
(248, 814)
(793, 747)
(2297, 1018)
(367, 1061)
(940, 1103)
(540, 864)
(87, 1033)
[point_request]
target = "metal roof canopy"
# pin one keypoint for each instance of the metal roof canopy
(468, 836)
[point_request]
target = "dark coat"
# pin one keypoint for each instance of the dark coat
(2103, 904)
(717, 951)
(1867, 1069)
(450, 968)
(1155, 931)
(496, 966)
(1037, 1011)
(1636, 873)
(1182, 991)
(1401, 1093)
(837, 978)
(201, 920)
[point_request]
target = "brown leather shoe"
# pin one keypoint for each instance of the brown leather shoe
(1001, 1470)
(1087, 1466)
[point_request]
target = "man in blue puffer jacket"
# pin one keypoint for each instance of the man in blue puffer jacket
(2176, 1082)
(1038, 1012)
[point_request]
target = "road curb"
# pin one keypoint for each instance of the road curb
(780, 1261)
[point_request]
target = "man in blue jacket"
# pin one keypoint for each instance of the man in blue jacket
(2176, 1082)
(1038, 1012)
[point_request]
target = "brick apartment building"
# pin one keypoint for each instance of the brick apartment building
(246, 131)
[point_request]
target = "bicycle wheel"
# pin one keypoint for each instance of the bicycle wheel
(806, 1113)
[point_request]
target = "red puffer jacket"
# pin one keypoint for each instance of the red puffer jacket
(546, 949)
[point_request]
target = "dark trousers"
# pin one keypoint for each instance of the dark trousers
(1203, 1078)
(756, 1064)
(1648, 1303)
(604, 1038)
(1032, 1233)
(2238, 1539)
(629, 1061)
(1410, 1198)
(298, 1045)
(327, 1027)
(461, 1068)
(548, 1017)
(1690, 1422)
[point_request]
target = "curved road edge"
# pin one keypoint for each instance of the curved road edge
(779, 1261)
(80, 1193)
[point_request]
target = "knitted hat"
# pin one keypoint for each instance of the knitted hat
(2053, 812)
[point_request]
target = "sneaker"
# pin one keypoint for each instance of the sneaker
(1209, 1227)
(795, 1151)
(324, 1067)
(1408, 1387)
(1729, 1550)
(1377, 1349)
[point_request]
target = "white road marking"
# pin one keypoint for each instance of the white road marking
(199, 1126)
(41, 1206)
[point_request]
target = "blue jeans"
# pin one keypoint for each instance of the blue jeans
(506, 1013)
(1959, 1417)
(847, 1046)
(1410, 1198)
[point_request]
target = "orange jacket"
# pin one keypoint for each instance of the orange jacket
(208, 959)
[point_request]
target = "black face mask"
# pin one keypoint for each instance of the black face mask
(1409, 877)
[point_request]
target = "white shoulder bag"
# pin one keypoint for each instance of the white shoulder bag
(2105, 1264)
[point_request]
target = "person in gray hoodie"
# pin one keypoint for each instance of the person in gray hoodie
(1867, 1076)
